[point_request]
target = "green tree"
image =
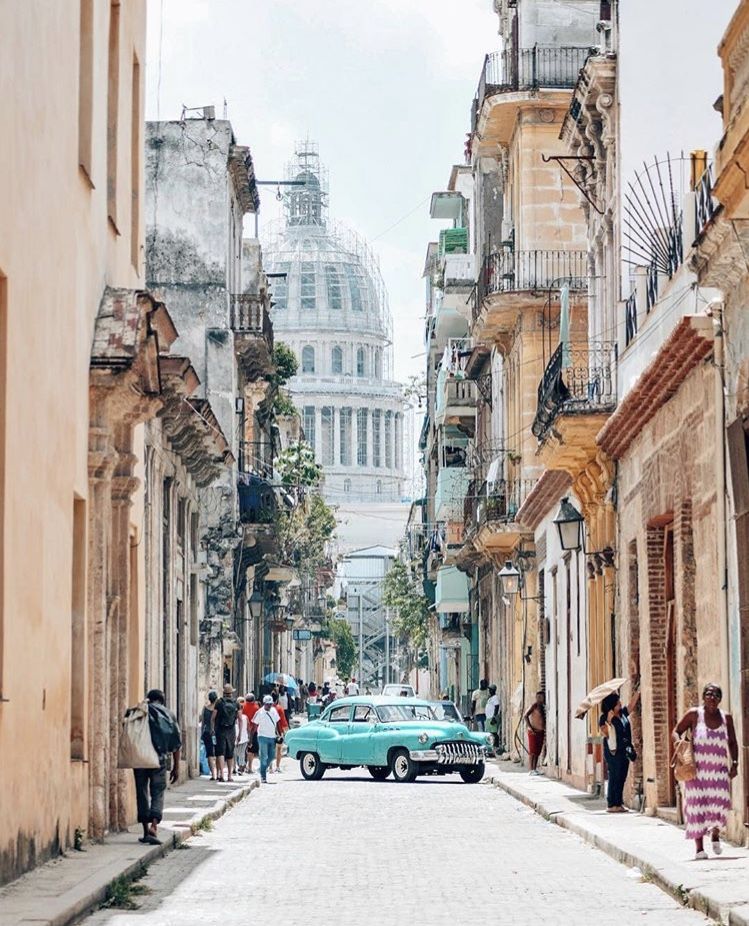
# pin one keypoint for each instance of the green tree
(297, 466)
(339, 631)
(304, 532)
(401, 592)
(284, 362)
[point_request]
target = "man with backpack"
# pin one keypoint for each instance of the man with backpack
(150, 783)
(225, 712)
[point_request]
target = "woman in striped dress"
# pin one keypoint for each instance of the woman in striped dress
(707, 797)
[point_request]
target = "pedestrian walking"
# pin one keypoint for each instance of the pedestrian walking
(492, 714)
(303, 695)
(265, 723)
(478, 704)
(150, 783)
(224, 720)
(242, 737)
(283, 726)
(251, 707)
(618, 750)
(206, 732)
(535, 721)
(352, 688)
(707, 796)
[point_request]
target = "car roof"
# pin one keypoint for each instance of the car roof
(377, 700)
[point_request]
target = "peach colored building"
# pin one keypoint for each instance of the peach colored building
(79, 371)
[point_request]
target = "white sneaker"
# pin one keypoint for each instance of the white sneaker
(700, 856)
(717, 847)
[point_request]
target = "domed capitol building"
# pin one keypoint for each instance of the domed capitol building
(332, 309)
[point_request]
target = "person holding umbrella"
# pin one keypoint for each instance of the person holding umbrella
(617, 746)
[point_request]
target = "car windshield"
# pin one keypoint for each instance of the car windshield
(445, 710)
(392, 713)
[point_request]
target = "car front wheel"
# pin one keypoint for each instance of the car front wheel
(472, 775)
(402, 766)
(312, 767)
(378, 772)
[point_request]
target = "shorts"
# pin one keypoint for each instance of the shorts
(210, 746)
(536, 742)
(225, 739)
(253, 745)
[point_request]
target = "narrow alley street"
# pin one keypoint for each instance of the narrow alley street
(351, 850)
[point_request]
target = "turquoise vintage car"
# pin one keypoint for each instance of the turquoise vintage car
(398, 736)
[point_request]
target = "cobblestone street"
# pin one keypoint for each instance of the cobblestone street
(351, 850)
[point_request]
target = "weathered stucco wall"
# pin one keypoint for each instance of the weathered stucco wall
(667, 479)
(57, 251)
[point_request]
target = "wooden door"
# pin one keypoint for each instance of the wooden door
(671, 647)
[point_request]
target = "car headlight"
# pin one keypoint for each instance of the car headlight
(489, 739)
(423, 737)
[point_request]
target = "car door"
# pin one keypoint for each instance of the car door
(358, 746)
(333, 733)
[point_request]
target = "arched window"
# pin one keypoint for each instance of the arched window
(360, 361)
(337, 360)
(346, 485)
(308, 359)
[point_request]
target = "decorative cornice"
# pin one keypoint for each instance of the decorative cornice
(689, 344)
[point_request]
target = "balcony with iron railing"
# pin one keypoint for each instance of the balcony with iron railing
(455, 396)
(577, 381)
(256, 457)
(251, 324)
(528, 69)
(508, 272)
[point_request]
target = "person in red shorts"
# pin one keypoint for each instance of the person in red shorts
(250, 708)
(535, 719)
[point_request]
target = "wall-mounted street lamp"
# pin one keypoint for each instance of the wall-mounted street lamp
(511, 584)
(256, 604)
(571, 527)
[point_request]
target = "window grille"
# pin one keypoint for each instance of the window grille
(360, 368)
(347, 485)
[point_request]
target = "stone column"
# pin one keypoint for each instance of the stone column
(100, 468)
(336, 436)
(318, 434)
(354, 435)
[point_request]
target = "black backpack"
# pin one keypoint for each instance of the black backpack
(226, 711)
(165, 734)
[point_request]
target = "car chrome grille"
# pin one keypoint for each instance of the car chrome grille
(457, 753)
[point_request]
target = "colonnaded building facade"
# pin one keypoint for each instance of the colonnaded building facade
(331, 308)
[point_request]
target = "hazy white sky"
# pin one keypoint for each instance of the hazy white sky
(384, 87)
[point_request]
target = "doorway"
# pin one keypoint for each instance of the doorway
(672, 707)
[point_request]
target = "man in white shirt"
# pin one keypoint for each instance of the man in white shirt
(352, 688)
(265, 722)
(492, 713)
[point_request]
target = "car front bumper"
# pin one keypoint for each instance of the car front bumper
(450, 754)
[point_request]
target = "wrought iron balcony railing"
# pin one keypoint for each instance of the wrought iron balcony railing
(528, 69)
(508, 271)
(576, 381)
(499, 501)
(705, 203)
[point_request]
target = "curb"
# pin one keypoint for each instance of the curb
(98, 895)
(693, 898)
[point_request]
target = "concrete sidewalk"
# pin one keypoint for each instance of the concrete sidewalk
(66, 888)
(718, 887)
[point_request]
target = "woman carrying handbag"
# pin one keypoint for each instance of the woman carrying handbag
(707, 795)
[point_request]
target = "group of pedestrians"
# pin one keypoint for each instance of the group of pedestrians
(237, 730)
